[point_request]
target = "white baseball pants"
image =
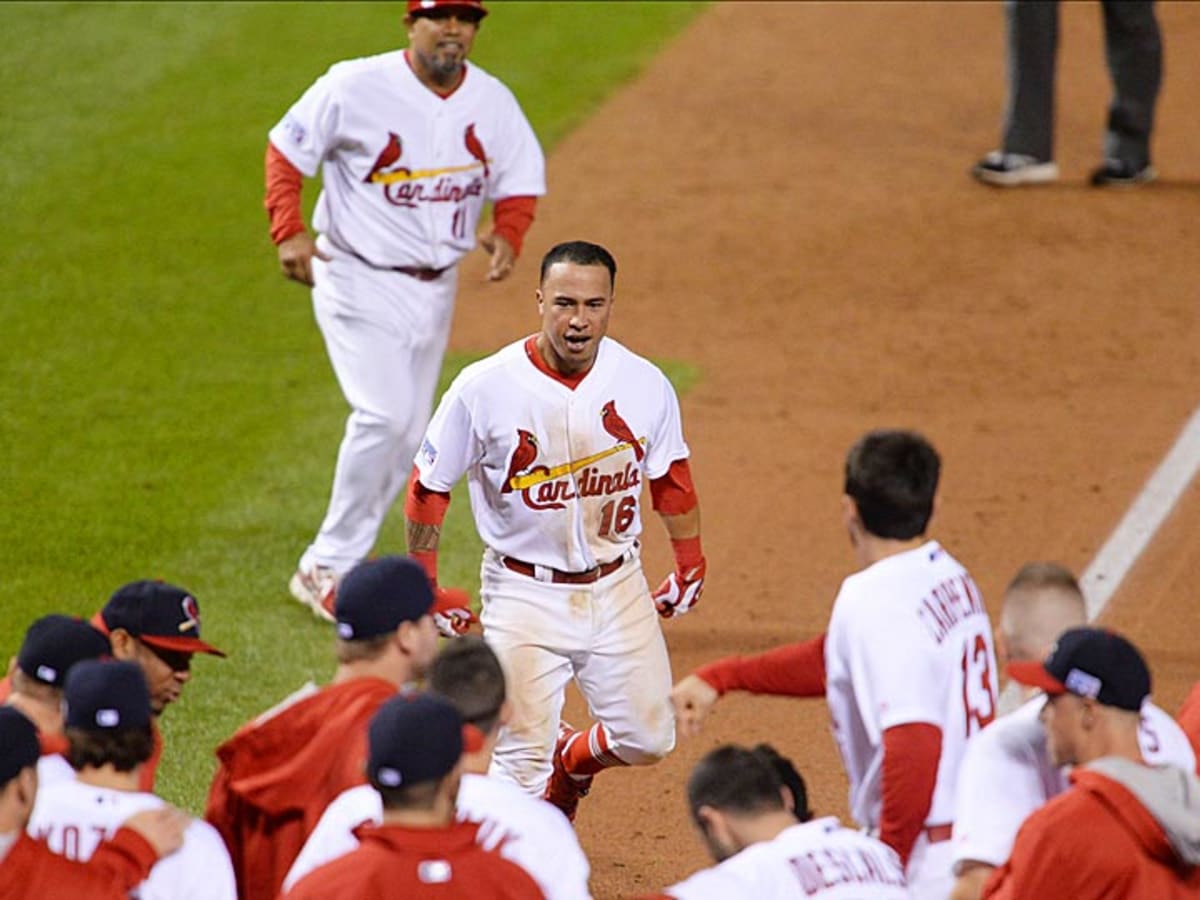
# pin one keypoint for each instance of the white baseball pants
(606, 635)
(385, 333)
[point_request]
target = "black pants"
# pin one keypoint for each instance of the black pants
(1133, 50)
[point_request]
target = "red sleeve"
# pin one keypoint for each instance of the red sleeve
(127, 856)
(911, 754)
(149, 770)
(284, 182)
(673, 494)
(511, 218)
(793, 670)
(428, 508)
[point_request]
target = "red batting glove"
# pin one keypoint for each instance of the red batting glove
(452, 611)
(680, 591)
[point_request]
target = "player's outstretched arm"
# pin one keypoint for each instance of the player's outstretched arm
(425, 510)
(693, 699)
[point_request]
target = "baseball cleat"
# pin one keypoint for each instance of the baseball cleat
(1118, 173)
(316, 588)
(563, 789)
(1001, 169)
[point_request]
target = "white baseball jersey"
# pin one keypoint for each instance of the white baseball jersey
(816, 859)
(527, 831)
(909, 641)
(75, 817)
(53, 768)
(555, 475)
(405, 172)
(1007, 774)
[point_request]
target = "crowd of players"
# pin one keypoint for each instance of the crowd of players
(375, 785)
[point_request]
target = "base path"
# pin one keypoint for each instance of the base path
(785, 190)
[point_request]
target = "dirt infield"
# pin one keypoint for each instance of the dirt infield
(786, 193)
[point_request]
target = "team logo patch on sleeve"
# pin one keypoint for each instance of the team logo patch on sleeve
(428, 452)
(295, 130)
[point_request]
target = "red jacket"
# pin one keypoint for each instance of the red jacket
(1094, 842)
(395, 862)
(32, 871)
(1189, 720)
(276, 776)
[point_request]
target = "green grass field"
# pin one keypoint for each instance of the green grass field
(166, 408)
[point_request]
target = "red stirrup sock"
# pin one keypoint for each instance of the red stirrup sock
(586, 753)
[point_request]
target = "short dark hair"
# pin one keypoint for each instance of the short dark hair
(582, 253)
(467, 673)
(364, 650)
(124, 748)
(422, 795)
(791, 779)
(892, 476)
(1045, 575)
(734, 779)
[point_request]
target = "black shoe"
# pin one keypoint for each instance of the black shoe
(1014, 169)
(1118, 173)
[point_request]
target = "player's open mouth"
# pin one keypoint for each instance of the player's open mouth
(577, 341)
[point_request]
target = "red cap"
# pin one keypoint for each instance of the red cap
(420, 6)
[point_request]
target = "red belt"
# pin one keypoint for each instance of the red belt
(557, 577)
(938, 834)
(420, 274)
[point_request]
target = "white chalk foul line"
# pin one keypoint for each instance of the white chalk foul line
(1134, 532)
(1150, 509)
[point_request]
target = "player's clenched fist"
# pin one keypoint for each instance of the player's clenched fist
(680, 591)
(452, 611)
(693, 699)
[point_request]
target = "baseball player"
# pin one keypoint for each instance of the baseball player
(1006, 773)
(29, 870)
(557, 434)
(277, 774)
(108, 731)
(1123, 829)
(410, 145)
(52, 645)
(765, 849)
(416, 745)
(907, 665)
(524, 829)
(157, 626)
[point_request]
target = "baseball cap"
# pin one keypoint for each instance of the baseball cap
(106, 695)
(54, 643)
(377, 595)
(19, 748)
(159, 614)
(416, 7)
(416, 737)
(1090, 662)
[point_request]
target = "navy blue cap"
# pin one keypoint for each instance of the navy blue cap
(19, 748)
(416, 737)
(156, 613)
(377, 595)
(54, 643)
(106, 695)
(1090, 662)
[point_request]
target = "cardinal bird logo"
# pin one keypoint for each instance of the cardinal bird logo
(387, 157)
(475, 147)
(522, 458)
(615, 425)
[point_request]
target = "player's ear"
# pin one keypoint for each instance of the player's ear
(124, 644)
(850, 511)
(505, 715)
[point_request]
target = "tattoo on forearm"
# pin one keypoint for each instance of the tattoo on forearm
(423, 537)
